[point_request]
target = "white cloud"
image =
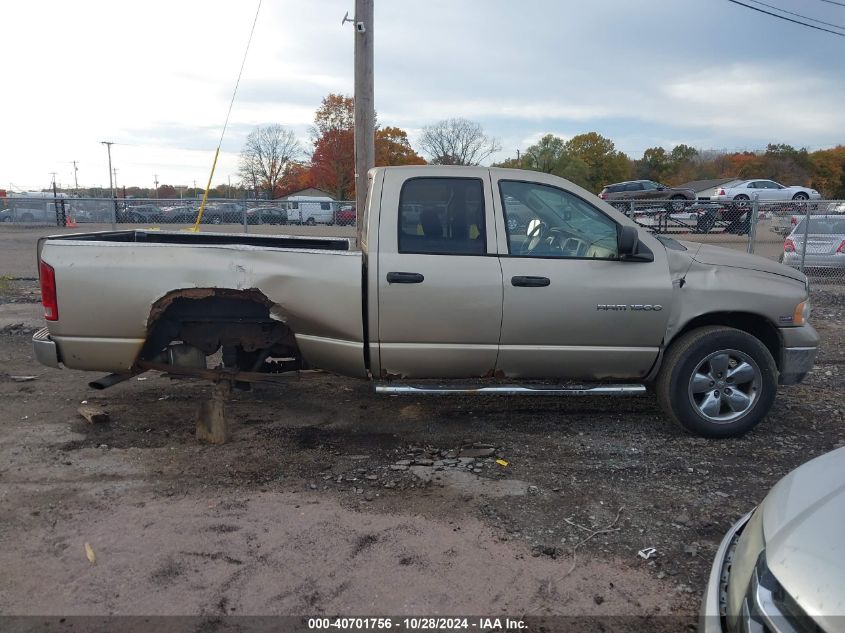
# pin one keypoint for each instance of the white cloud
(157, 77)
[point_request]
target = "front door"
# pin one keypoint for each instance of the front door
(439, 289)
(572, 308)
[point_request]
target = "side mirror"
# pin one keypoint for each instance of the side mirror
(627, 241)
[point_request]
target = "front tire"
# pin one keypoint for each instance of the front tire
(800, 196)
(717, 382)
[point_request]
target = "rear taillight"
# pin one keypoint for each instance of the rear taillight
(793, 220)
(789, 246)
(841, 248)
(720, 192)
(603, 195)
(48, 291)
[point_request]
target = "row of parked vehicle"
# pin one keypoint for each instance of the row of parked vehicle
(299, 210)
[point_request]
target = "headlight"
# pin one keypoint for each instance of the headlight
(748, 549)
(801, 314)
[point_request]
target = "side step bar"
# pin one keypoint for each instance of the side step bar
(470, 389)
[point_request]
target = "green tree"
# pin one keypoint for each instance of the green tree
(606, 164)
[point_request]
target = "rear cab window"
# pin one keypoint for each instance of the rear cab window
(442, 216)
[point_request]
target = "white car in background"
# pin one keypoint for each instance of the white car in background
(766, 190)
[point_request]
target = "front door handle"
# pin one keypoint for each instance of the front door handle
(530, 282)
(405, 278)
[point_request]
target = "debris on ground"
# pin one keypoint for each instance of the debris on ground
(94, 414)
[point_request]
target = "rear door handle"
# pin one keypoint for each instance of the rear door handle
(530, 282)
(405, 278)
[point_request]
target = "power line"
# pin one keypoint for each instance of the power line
(841, 4)
(771, 6)
(783, 17)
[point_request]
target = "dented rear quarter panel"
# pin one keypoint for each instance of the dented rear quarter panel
(106, 290)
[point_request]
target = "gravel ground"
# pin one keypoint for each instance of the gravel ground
(331, 500)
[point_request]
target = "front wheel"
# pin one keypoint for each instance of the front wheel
(717, 382)
(800, 196)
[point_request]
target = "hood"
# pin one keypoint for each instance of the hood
(719, 256)
(803, 517)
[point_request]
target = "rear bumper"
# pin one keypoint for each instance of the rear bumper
(45, 349)
(800, 345)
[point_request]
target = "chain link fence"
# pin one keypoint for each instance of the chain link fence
(806, 234)
(246, 213)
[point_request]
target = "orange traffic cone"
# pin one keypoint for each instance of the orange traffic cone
(70, 222)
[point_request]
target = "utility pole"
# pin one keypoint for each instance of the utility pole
(115, 177)
(364, 103)
(108, 145)
(53, 180)
(75, 179)
(155, 180)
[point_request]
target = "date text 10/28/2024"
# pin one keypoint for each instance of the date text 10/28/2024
(416, 624)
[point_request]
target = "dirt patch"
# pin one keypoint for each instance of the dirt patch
(325, 502)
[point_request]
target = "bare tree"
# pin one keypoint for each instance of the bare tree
(264, 156)
(457, 142)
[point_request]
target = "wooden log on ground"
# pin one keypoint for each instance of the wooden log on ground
(212, 425)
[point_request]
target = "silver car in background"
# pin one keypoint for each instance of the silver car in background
(781, 568)
(825, 243)
(765, 190)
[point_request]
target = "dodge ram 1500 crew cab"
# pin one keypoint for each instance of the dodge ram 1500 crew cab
(462, 280)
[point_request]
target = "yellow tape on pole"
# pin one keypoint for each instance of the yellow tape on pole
(196, 226)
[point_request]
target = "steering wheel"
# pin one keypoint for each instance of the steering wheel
(536, 234)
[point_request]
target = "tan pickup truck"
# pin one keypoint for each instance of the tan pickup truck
(463, 280)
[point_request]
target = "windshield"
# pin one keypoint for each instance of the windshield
(821, 226)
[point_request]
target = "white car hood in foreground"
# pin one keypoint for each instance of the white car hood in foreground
(804, 530)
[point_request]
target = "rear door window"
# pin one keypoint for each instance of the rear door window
(442, 216)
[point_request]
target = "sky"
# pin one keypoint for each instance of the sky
(156, 77)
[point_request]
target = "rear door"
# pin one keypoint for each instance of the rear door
(439, 279)
(572, 308)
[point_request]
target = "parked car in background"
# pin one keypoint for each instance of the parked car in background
(139, 214)
(781, 568)
(766, 190)
(223, 213)
(267, 214)
(647, 190)
(310, 210)
(825, 242)
(346, 216)
(180, 214)
(785, 219)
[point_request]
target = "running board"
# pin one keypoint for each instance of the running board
(506, 389)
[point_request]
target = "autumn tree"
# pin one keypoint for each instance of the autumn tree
(296, 177)
(457, 142)
(167, 191)
(828, 168)
(606, 164)
(393, 148)
(264, 156)
(333, 160)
